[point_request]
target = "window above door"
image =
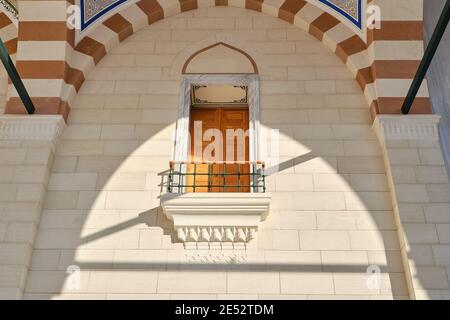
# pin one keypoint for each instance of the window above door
(219, 94)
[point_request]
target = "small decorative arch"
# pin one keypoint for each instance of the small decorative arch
(249, 79)
(247, 63)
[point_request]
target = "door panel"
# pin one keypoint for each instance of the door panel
(223, 119)
(232, 119)
(210, 119)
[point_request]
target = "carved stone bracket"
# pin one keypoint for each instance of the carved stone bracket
(216, 217)
(215, 234)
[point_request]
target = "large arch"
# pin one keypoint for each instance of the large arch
(349, 47)
(371, 63)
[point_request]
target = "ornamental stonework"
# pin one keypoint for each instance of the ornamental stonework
(93, 10)
(351, 7)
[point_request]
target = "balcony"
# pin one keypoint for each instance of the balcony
(216, 201)
(245, 176)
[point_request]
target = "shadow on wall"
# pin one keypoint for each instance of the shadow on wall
(155, 219)
(438, 77)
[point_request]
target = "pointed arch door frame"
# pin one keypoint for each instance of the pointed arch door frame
(181, 143)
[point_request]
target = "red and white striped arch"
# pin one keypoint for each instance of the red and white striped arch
(54, 68)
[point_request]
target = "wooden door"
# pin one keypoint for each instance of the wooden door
(211, 177)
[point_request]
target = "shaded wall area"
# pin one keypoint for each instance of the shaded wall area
(3, 88)
(439, 73)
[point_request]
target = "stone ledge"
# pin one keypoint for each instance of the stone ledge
(407, 127)
(31, 127)
(216, 217)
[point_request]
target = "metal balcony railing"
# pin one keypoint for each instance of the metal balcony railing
(237, 176)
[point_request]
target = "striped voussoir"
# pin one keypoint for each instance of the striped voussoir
(369, 69)
(320, 24)
(8, 33)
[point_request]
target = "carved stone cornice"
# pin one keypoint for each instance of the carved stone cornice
(407, 127)
(216, 217)
(31, 127)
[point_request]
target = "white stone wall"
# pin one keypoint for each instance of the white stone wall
(26, 156)
(23, 174)
(421, 193)
(331, 213)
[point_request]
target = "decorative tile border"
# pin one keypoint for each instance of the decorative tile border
(349, 9)
(92, 10)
